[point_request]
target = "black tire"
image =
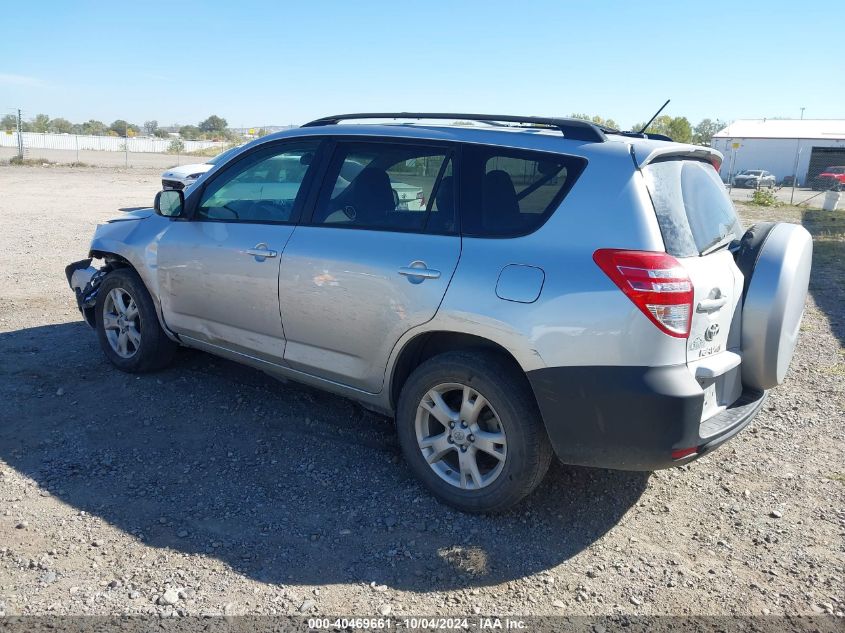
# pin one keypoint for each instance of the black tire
(155, 350)
(507, 390)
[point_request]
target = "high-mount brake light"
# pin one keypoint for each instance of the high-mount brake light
(655, 282)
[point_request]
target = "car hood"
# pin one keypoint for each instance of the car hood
(183, 171)
(135, 214)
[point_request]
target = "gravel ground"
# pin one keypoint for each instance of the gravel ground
(211, 488)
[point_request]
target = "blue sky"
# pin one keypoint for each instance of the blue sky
(274, 63)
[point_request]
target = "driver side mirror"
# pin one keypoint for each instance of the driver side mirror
(170, 203)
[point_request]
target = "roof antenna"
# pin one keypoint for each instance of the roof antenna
(645, 127)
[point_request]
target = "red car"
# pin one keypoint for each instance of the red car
(831, 178)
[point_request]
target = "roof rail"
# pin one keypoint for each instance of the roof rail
(653, 137)
(575, 129)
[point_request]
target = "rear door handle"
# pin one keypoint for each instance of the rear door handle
(425, 273)
(417, 271)
(711, 305)
(261, 252)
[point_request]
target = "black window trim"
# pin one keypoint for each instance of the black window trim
(452, 152)
(554, 205)
(257, 154)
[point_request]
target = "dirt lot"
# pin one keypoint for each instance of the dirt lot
(210, 488)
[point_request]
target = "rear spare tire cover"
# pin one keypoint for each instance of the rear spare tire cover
(777, 269)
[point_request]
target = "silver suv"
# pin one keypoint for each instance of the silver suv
(555, 288)
(755, 179)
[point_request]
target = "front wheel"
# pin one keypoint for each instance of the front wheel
(130, 334)
(470, 430)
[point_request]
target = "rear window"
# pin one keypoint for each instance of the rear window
(693, 209)
(512, 192)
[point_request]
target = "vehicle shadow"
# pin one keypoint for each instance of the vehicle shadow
(283, 483)
(827, 281)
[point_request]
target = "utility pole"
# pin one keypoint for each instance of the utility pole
(20, 135)
(734, 146)
(795, 171)
(802, 113)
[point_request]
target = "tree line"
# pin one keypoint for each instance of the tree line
(217, 128)
(213, 128)
(677, 128)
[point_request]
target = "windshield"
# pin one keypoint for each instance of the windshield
(835, 170)
(694, 211)
(751, 172)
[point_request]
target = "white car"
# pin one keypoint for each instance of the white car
(182, 176)
(754, 179)
(406, 197)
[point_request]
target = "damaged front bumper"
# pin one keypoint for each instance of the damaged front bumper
(84, 279)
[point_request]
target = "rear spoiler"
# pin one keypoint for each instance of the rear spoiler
(676, 151)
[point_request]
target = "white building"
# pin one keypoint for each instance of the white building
(778, 145)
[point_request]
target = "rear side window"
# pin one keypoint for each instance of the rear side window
(693, 209)
(386, 186)
(512, 192)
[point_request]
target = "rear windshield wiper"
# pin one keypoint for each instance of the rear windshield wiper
(719, 243)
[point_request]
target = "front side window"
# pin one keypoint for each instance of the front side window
(387, 186)
(264, 187)
(512, 192)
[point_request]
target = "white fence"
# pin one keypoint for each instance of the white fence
(36, 140)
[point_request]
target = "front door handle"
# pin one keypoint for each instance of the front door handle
(418, 271)
(261, 252)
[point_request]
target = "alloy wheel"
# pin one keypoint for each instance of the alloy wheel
(461, 436)
(122, 323)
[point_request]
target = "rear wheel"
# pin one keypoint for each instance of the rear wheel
(470, 430)
(127, 324)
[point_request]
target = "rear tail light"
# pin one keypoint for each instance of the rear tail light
(656, 283)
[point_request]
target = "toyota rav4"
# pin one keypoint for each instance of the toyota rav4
(560, 289)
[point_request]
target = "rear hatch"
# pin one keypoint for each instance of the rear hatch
(699, 223)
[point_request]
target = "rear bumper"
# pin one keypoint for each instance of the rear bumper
(633, 418)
